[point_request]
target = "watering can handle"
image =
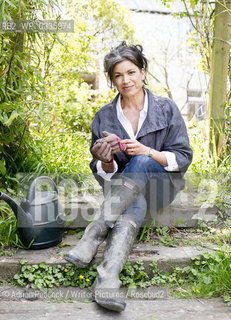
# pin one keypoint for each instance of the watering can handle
(32, 189)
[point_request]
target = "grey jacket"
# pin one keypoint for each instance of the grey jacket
(163, 129)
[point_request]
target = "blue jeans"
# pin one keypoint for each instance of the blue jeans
(157, 189)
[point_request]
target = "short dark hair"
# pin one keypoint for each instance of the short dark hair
(134, 53)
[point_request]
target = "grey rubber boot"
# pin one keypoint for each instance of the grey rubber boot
(122, 193)
(85, 250)
(105, 290)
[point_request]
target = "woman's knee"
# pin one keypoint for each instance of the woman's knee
(143, 163)
(140, 161)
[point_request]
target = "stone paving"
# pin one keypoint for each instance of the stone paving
(190, 309)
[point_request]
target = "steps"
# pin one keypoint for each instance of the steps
(184, 211)
(165, 256)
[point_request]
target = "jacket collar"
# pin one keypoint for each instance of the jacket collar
(155, 119)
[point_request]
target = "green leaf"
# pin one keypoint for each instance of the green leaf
(13, 115)
(43, 265)
(3, 9)
(11, 4)
(64, 245)
(60, 41)
(227, 201)
(23, 261)
(2, 168)
(207, 279)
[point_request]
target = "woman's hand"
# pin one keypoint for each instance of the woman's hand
(102, 151)
(134, 147)
(112, 139)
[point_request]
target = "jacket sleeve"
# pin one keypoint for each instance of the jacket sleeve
(95, 134)
(176, 139)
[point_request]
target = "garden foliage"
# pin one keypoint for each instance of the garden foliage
(45, 109)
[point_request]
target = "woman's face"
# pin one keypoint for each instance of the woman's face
(128, 78)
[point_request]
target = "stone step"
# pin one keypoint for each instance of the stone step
(165, 256)
(159, 309)
(184, 211)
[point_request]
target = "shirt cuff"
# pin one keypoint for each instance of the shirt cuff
(171, 160)
(105, 175)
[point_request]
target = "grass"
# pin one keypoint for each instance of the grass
(8, 229)
(208, 276)
(178, 237)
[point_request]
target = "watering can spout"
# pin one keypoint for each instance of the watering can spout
(23, 218)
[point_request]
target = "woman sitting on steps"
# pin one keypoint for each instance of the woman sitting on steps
(138, 139)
